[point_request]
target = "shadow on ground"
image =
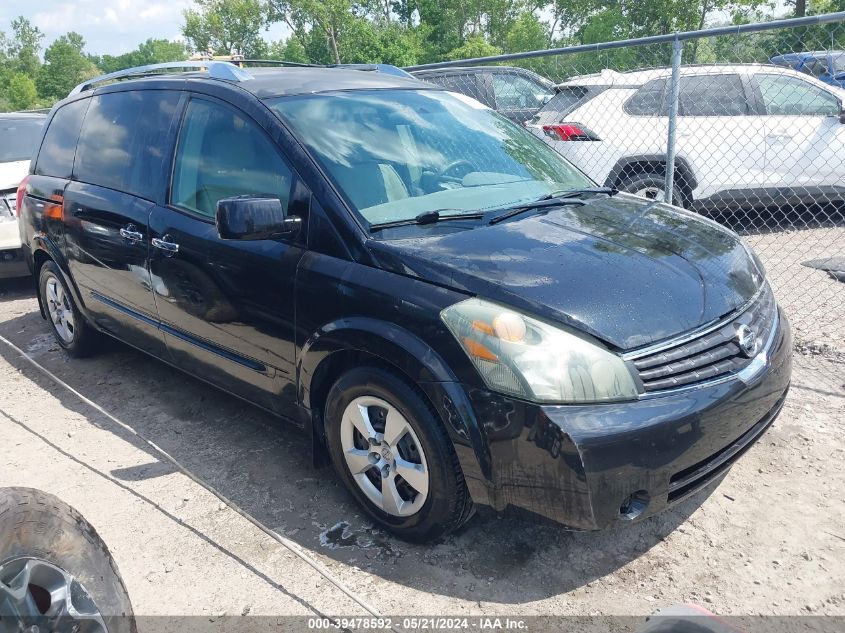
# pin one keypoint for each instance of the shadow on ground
(759, 221)
(264, 465)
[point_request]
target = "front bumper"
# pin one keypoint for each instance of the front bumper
(591, 467)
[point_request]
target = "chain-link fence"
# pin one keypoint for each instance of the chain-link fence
(744, 124)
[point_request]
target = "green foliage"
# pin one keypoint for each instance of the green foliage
(225, 26)
(65, 65)
(528, 33)
(475, 46)
(149, 52)
(21, 93)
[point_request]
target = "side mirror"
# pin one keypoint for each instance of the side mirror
(254, 218)
(842, 117)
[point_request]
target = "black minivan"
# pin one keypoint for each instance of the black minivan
(453, 312)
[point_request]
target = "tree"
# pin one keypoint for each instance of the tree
(475, 46)
(528, 33)
(65, 66)
(289, 50)
(150, 52)
(331, 18)
(21, 50)
(225, 26)
(21, 92)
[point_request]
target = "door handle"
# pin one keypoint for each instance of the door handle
(169, 248)
(130, 232)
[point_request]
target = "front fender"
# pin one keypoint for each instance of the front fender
(422, 365)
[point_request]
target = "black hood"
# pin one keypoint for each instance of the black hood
(628, 271)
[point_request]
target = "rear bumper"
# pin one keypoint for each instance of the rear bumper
(13, 263)
(580, 465)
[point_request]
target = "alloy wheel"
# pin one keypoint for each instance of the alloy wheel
(60, 309)
(651, 193)
(44, 597)
(384, 456)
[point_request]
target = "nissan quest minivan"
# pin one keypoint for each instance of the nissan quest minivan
(453, 312)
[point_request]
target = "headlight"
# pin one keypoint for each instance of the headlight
(755, 258)
(521, 356)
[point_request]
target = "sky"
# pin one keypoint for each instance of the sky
(108, 26)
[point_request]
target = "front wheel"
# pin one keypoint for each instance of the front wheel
(651, 187)
(56, 574)
(394, 455)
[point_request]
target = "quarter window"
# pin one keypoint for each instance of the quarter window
(221, 155)
(648, 100)
(123, 141)
(59, 145)
(514, 92)
(712, 95)
(465, 84)
(788, 96)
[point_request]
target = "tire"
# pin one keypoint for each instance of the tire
(638, 183)
(446, 504)
(81, 340)
(41, 531)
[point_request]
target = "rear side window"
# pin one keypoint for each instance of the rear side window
(570, 97)
(648, 100)
(19, 138)
(59, 145)
(464, 83)
(515, 92)
(222, 155)
(712, 95)
(123, 144)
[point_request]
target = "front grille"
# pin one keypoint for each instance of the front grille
(713, 354)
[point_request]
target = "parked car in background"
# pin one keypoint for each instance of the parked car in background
(19, 137)
(747, 135)
(826, 66)
(452, 311)
(515, 92)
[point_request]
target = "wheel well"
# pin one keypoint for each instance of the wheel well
(39, 258)
(683, 177)
(325, 376)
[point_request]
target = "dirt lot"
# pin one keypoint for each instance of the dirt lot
(770, 539)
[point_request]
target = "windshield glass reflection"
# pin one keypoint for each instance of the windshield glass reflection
(398, 153)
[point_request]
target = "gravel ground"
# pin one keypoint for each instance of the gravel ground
(815, 300)
(768, 539)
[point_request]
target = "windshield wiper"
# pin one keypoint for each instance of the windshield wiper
(555, 198)
(428, 217)
(574, 193)
(531, 206)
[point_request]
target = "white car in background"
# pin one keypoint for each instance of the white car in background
(747, 135)
(19, 136)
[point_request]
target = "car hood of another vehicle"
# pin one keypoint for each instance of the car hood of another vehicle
(12, 173)
(629, 271)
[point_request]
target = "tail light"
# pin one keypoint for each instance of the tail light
(569, 132)
(21, 193)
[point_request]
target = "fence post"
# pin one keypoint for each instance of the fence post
(677, 53)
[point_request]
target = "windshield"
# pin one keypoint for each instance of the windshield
(838, 63)
(398, 153)
(18, 138)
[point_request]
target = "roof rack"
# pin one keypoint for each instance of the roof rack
(216, 70)
(231, 70)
